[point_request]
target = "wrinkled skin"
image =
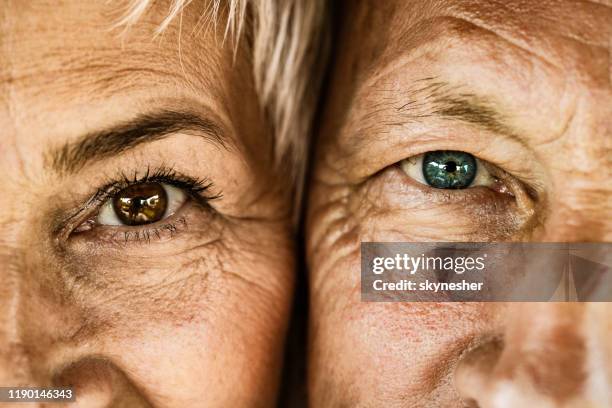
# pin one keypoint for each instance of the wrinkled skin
(544, 69)
(190, 311)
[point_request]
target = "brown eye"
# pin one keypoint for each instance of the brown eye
(141, 204)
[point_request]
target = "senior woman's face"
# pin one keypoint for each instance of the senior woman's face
(144, 258)
(521, 88)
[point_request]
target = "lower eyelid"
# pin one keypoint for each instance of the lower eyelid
(192, 229)
(401, 187)
(510, 206)
(395, 191)
(419, 210)
(161, 231)
(191, 214)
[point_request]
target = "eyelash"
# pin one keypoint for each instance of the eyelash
(197, 189)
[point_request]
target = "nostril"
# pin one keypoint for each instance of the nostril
(99, 383)
(92, 382)
(470, 403)
(474, 371)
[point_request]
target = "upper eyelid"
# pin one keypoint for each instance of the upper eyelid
(162, 175)
(397, 141)
(63, 226)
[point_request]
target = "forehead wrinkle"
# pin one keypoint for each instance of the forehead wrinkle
(103, 72)
(581, 32)
(586, 36)
(437, 34)
(525, 26)
(373, 97)
(65, 56)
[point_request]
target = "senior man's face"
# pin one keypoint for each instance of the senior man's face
(144, 258)
(522, 89)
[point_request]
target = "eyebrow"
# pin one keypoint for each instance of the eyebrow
(439, 98)
(145, 128)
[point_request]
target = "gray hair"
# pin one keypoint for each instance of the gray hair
(289, 38)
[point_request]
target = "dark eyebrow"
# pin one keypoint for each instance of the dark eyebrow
(145, 128)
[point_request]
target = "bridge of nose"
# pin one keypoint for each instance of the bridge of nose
(579, 212)
(23, 316)
(13, 354)
(579, 170)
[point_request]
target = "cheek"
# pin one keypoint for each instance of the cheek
(394, 351)
(216, 308)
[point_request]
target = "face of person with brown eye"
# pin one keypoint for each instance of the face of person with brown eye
(461, 121)
(146, 237)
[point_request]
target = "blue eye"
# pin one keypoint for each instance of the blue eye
(449, 169)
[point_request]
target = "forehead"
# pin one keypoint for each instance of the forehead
(66, 69)
(525, 59)
(60, 57)
(56, 45)
(572, 35)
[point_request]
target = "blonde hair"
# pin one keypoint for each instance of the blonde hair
(288, 41)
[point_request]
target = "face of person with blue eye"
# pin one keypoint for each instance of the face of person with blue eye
(460, 121)
(146, 238)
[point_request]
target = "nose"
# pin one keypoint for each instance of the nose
(19, 312)
(12, 354)
(549, 355)
(13, 365)
(579, 208)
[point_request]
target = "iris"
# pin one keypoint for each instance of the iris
(142, 203)
(449, 169)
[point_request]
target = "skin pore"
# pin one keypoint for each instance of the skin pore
(525, 88)
(189, 310)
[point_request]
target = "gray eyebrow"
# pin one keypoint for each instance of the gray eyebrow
(431, 97)
(145, 128)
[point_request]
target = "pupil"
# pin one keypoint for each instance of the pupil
(450, 166)
(142, 203)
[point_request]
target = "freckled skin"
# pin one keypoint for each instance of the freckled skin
(544, 67)
(190, 312)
